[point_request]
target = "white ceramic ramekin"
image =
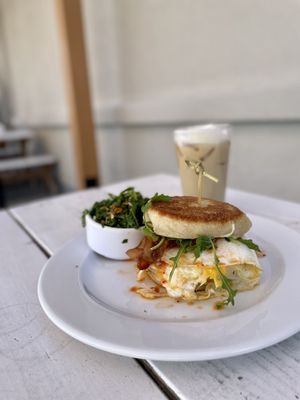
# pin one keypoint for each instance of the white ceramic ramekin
(111, 242)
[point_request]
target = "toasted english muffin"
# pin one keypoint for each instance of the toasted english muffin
(184, 218)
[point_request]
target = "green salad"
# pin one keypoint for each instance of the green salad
(119, 211)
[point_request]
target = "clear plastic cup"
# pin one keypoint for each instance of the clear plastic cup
(210, 145)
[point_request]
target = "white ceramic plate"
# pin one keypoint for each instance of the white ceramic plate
(89, 298)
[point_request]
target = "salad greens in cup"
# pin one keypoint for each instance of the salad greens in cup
(113, 224)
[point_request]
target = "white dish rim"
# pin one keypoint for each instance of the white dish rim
(168, 355)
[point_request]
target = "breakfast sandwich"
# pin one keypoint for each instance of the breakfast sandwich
(195, 250)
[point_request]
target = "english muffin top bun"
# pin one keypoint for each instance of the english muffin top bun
(184, 218)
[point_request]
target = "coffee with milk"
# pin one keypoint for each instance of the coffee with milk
(210, 145)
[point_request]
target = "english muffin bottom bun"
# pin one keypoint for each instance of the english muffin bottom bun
(183, 217)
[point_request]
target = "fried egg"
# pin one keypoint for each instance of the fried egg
(196, 279)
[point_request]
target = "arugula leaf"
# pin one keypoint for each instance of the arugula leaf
(147, 231)
(249, 243)
(153, 199)
(197, 247)
(225, 281)
(190, 245)
(202, 243)
(183, 245)
(161, 197)
(83, 215)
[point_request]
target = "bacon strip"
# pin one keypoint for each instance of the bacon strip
(143, 254)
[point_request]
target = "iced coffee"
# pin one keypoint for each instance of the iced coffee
(208, 144)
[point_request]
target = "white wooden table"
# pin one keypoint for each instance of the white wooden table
(38, 361)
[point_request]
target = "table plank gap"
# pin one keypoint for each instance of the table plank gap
(153, 373)
(37, 360)
(268, 374)
(31, 234)
(143, 363)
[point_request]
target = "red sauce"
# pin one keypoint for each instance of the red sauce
(134, 289)
(156, 288)
(143, 264)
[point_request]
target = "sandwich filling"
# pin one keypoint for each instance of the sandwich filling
(198, 278)
(202, 259)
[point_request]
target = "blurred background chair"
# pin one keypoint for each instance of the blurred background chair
(18, 166)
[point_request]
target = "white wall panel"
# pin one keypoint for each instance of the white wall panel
(209, 59)
(160, 60)
(33, 61)
(102, 44)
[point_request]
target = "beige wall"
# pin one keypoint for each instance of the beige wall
(160, 60)
(156, 63)
(264, 157)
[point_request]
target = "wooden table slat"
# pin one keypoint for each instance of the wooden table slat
(37, 360)
(271, 373)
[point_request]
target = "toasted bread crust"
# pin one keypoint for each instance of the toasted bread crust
(187, 208)
(184, 218)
